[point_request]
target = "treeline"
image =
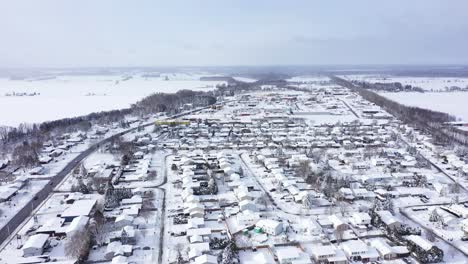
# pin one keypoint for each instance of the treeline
(173, 103)
(430, 121)
(389, 87)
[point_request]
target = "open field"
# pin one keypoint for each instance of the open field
(70, 96)
(451, 103)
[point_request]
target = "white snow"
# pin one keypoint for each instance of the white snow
(426, 83)
(451, 103)
(69, 96)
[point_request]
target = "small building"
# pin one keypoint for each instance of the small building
(388, 219)
(289, 255)
(79, 208)
(247, 218)
(361, 219)
(247, 205)
(35, 245)
(328, 254)
(206, 259)
(270, 227)
(123, 220)
(338, 223)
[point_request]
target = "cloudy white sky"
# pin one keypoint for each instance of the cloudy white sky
(66, 33)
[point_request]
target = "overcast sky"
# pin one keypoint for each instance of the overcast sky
(66, 33)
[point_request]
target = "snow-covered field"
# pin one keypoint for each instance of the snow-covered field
(69, 96)
(451, 103)
(309, 79)
(426, 83)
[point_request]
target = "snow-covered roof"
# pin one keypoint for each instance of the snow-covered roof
(420, 241)
(77, 224)
(206, 259)
(79, 207)
(36, 241)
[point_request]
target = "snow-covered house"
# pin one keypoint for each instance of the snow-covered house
(357, 250)
(328, 254)
(206, 259)
(388, 219)
(78, 208)
(35, 245)
(289, 255)
(360, 219)
(247, 218)
(270, 226)
(337, 222)
(123, 220)
(246, 205)
(386, 251)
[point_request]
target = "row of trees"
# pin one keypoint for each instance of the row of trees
(431, 121)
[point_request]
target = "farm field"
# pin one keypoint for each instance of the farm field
(70, 96)
(452, 103)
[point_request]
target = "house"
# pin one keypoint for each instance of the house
(35, 245)
(197, 222)
(53, 227)
(247, 205)
(206, 259)
(135, 199)
(45, 159)
(78, 208)
(258, 257)
(384, 249)
(198, 249)
(420, 242)
(270, 227)
(338, 223)
(111, 249)
(123, 220)
(328, 254)
(346, 193)
(289, 255)
(77, 224)
(247, 218)
(388, 219)
(133, 210)
(360, 219)
(313, 228)
(355, 249)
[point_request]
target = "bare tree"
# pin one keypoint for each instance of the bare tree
(303, 170)
(77, 245)
(178, 249)
(262, 200)
(339, 233)
(343, 208)
(430, 235)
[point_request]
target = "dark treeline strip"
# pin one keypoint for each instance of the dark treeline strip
(433, 122)
(388, 87)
